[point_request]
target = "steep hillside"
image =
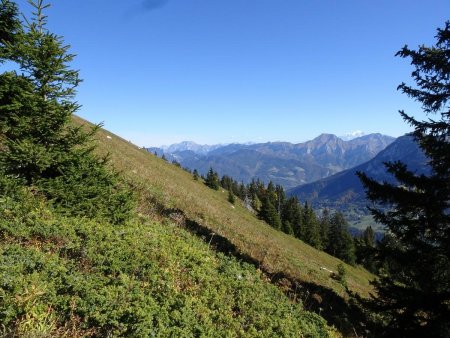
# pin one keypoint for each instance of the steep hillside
(281, 162)
(190, 264)
(165, 189)
(344, 191)
(162, 185)
(77, 277)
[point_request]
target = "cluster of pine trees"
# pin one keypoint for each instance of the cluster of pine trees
(327, 232)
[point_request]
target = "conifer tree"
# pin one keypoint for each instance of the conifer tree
(40, 146)
(310, 233)
(212, 179)
(195, 174)
(225, 182)
(9, 25)
(340, 242)
(287, 228)
(256, 203)
(37, 103)
(291, 216)
(365, 249)
(414, 291)
(324, 228)
(271, 194)
(269, 213)
(281, 198)
(231, 197)
(242, 192)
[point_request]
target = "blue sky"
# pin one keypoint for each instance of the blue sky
(220, 71)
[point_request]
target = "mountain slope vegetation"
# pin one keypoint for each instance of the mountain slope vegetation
(72, 277)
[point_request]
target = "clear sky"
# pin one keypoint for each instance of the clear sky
(219, 71)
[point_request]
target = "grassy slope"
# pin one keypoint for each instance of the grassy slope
(74, 277)
(173, 188)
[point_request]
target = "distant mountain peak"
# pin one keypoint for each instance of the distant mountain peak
(324, 138)
(326, 135)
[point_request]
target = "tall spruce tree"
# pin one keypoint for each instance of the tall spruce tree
(39, 144)
(37, 101)
(269, 213)
(414, 290)
(292, 216)
(281, 199)
(310, 225)
(324, 227)
(212, 179)
(340, 242)
(365, 249)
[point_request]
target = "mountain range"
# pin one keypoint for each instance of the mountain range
(190, 146)
(344, 191)
(284, 163)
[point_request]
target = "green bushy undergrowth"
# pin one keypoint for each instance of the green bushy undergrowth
(69, 276)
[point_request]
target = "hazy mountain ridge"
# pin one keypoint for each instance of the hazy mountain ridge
(190, 146)
(283, 163)
(343, 190)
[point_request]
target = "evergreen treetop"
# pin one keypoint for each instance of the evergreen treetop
(212, 179)
(39, 143)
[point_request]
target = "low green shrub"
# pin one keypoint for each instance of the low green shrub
(69, 276)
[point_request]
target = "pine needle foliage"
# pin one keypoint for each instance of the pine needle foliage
(39, 144)
(9, 25)
(212, 179)
(414, 290)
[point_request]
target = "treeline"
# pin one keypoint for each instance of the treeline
(325, 231)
